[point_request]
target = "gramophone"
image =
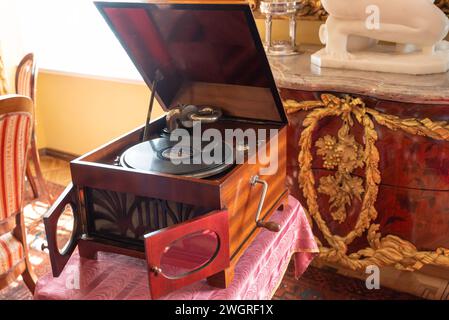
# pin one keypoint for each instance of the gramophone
(150, 196)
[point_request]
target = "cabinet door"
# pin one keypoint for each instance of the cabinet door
(185, 253)
(60, 252)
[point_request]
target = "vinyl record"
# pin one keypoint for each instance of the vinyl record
(165, 156)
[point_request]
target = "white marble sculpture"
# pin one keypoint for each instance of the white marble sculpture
(354, 28)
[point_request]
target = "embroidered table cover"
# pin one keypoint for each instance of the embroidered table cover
(258, 273)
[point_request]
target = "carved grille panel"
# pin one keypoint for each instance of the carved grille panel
(126, 217)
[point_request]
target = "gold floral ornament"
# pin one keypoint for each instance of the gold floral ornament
(345, 154)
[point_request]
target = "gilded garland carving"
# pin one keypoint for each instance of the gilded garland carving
(313, 10)
(345, 154)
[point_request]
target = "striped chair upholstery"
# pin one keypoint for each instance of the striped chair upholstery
(15, 130)
(15, 134)
(11, 252)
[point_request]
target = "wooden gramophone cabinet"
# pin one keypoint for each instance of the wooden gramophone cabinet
(209, 54)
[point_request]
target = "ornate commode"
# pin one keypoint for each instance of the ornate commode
(368, 156)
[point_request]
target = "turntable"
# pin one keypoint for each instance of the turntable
(183, 191)
(164, 155)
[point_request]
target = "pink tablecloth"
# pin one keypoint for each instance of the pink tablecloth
(257, 274)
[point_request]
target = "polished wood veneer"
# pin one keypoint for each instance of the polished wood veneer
(413, 197)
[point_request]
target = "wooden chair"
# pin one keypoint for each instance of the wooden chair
(16, 122)
(26, 85)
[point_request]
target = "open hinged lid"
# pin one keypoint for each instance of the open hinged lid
(208, 54)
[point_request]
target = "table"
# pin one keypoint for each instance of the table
(258, 273)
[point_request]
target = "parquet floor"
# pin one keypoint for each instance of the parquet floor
(55, 170)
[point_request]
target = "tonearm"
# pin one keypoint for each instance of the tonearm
(157, 77)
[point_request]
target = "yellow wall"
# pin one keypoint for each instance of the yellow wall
(76, 114)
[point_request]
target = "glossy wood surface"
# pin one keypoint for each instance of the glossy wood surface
(413, 199)
(15, 103)
(205, 52)
(156, 245)
(242, 199)
(59, 259)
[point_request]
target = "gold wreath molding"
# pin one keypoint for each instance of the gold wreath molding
(382, 251)
(313, 10)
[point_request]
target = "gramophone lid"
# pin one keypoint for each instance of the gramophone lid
(207, 54)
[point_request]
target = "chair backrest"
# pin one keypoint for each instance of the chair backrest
(16, 116)
(26, 77)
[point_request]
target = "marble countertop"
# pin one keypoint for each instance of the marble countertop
(296, 72)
